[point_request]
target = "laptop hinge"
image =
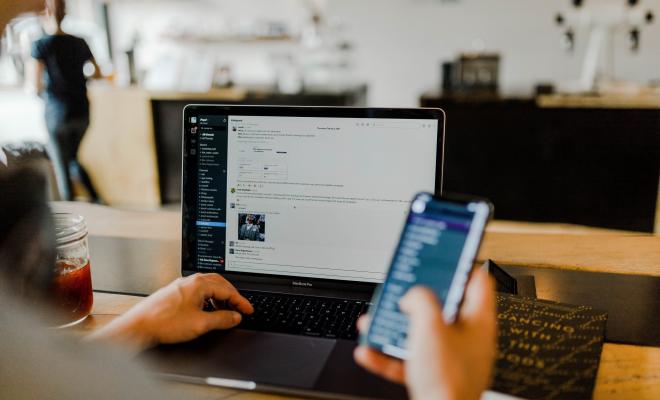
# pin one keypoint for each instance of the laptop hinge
(341, 293)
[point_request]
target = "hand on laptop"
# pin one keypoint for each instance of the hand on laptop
(445, 361)
(174, 313)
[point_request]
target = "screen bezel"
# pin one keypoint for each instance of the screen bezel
(461, 274)
(190, 194)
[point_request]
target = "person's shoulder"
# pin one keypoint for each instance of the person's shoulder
(80, 43)
(72, 38)
(41, 45)
(50, 41)
(42, 40)
(77, 39)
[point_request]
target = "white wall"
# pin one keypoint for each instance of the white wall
(401, 43)
(153, 19)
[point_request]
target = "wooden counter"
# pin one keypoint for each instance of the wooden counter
(625, 371)
(608, 101)
(119, 149)
(642, 101)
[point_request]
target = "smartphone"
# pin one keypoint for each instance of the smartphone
(437, 248)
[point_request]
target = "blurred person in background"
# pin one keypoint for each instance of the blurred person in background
(57, 75)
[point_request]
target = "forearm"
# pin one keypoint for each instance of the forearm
(174, 314)
(98, 74)
(34, 73)
(128, 331)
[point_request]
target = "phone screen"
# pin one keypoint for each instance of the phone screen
(437, 249)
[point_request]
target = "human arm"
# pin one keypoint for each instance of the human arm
(35, 76)
(89, 59)
(97, 70)
(446, 361)
(175, 314)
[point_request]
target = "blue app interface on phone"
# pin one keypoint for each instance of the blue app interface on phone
(429, 252)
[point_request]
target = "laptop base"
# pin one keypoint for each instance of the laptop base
(263, 361)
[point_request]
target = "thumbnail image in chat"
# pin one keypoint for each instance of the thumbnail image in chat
(252, 227)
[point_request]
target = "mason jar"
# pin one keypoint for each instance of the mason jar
(72, 285)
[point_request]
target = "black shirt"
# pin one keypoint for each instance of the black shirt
(64, 57)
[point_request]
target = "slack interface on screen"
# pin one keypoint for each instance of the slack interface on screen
(307, 197)
(208, 141)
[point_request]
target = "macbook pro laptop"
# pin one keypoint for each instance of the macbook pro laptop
(300, 208)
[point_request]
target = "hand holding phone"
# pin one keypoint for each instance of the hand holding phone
(446, 361)
(437, 249)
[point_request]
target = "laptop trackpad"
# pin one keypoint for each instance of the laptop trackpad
(261, 357)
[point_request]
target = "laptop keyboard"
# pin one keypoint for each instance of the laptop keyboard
(304, 315)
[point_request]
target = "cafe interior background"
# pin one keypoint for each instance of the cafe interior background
(553, 107)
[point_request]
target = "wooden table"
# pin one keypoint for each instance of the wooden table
(625, 372)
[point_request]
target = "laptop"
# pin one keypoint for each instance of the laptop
(300, 208)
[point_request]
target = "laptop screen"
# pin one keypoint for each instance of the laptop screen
(301, 196)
